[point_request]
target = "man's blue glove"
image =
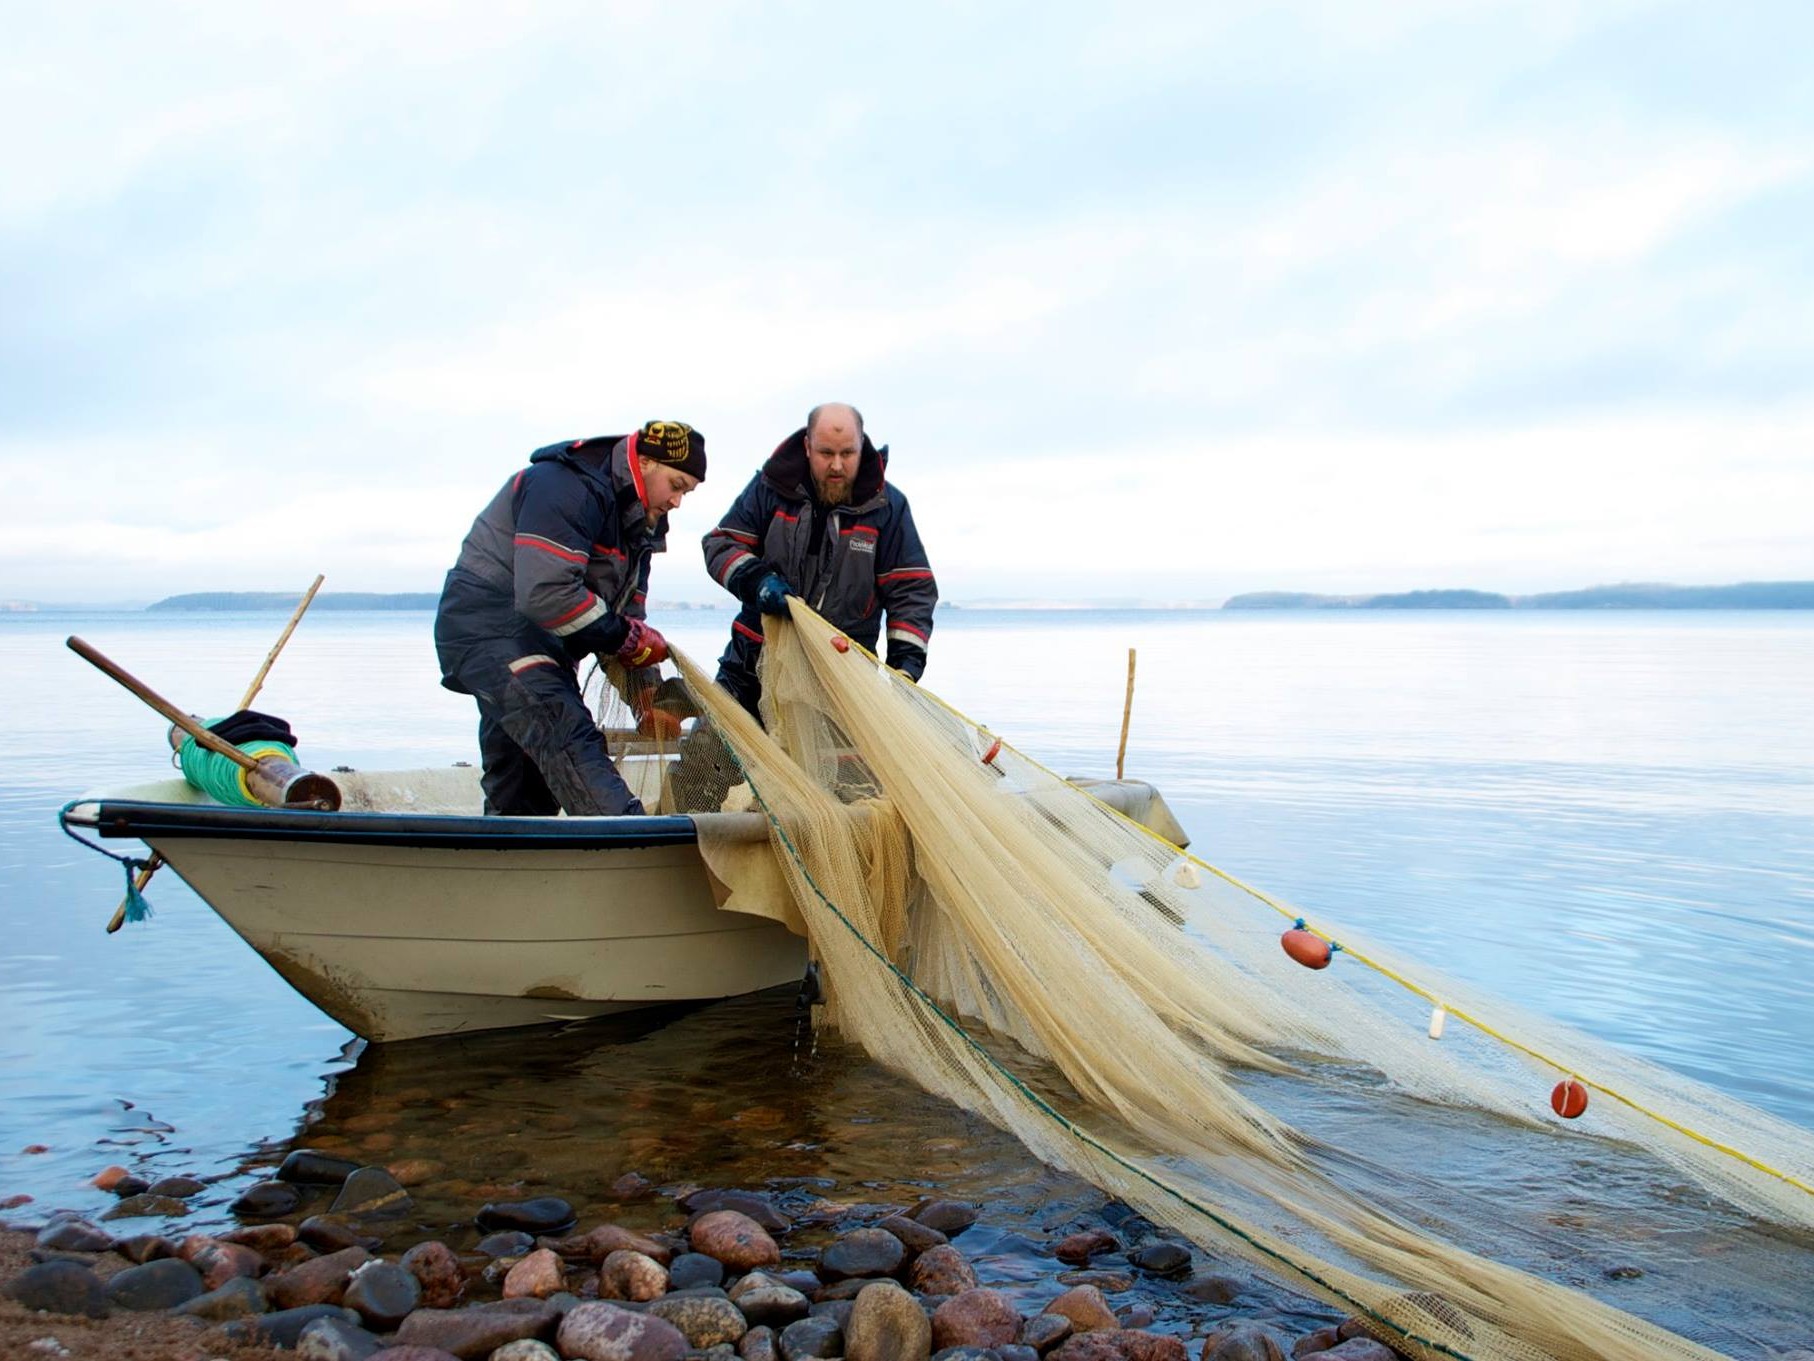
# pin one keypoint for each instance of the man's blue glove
(772, 593)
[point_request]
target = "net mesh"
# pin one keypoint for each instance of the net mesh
(1026, 952)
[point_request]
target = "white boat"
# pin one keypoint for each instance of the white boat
(410, 913)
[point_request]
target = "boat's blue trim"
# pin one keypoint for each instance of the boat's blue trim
(148, 821)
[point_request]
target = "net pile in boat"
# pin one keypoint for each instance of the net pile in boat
(1026, 952)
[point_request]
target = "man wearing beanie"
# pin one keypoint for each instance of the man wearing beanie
(821, 522)
(556, 568)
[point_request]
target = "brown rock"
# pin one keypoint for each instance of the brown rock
(145, 1247)
(321, 1281)
(1120, 1344)
(734, 1239)
(438, 1271)
(262, 1237)
(1043, 1332)
(415, 1171)
(221, 1262)
(606, 1239)
(1243, 1341)
(975, 1318)
(476, 1333)
(109, 1177)
(1356, 1349)
(1076, 1249)
(758, 1344)
(1319, 1341)
(1086, 1308)
(537, 1276)
(412, 1354)
(626, 1275)
(886, 1324)
(941, 1270)
(915, 1236)
(597, 1331)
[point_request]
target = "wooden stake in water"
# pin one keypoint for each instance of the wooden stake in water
(258, 683)
(1127, 710)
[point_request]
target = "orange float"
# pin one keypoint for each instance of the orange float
(1568, 1099)
(1306, 947)
(840, 643)
(994, 751)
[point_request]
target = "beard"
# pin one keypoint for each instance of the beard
(833, 493)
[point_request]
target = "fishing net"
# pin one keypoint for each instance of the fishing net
(1028, 953)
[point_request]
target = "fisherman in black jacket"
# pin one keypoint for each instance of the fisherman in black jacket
(821, 522)
(555, 569)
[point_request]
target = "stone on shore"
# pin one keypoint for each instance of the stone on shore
(1076, 1249)
(163, 1284)
(1162, 1258)
(266, 1200)
(283, 1328)
(1043, 1332)
(949, 1217)
(537, 1276)
(262, 1237)
(975, 1318)
(332, 1339)
(147, 1206)
(74, 1235)
(240, 1297)
(597, 1331)
(1354, 1349)
(383, 1294)
(606, 1239)
(887, 1324)
(766, 1300)
(942, 1270)
(1243, 1341)
(734, 1239)
(109, 1177)
(690, 1269)
(410, 1353)
(811, 1337)
(626, 1275)
(145, 1247)
(706, 1320)
(1120, 1345)
(756, 1207)
(543, 1215)
(862, 1253)
(177, 1188)
(1319, 1341)
(321, 1281)
(332, 1232)
(1085, 1307)
(219, 1262)
(915, 1236)
(476, 1333)
(437, 1270)
(310, 1168)
(60, 1288)
(371, 1193)
(525, 1349)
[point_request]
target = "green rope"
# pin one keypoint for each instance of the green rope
(221, 778)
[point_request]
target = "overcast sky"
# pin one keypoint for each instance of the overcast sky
(1167, 301)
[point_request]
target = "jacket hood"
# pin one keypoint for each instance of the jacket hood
(789, 473)
(604, 460)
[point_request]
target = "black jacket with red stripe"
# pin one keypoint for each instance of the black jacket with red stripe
(852, 563)
(558, 560)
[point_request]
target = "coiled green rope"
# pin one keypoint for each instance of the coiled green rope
(222, 779)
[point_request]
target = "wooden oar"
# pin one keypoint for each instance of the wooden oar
(156, 862)
(1127, 712)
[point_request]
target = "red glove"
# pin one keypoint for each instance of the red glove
(658, 724)
(642, 646)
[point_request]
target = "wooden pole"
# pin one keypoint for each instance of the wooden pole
(1127, 711)
(258, 681)
(156, 862)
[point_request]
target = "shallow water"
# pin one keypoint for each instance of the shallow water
(1609, 818)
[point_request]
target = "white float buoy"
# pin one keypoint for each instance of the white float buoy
(1437, 1017)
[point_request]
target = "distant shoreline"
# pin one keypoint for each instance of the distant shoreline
(1750, 595)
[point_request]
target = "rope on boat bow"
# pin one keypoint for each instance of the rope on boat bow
(138, 907)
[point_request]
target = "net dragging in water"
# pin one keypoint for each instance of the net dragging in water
(1027, 953)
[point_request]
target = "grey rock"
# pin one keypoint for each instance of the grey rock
(371, 1193)
(283, 1328)
(266, 1200)
(1244, 1341)
(1015, 1351)
(690, 1269)
(1043, 1332)
(704, 1319)
(383, 1294)
(759, 1208)
(597, 1331)
(240, 1297)
(74, 1235)
(130, 1186)
(310, 1168)
(967, 1354)
(811, 1337)
(862, 1252)
(836, 1310)
(1357, 1349)
(163, 1284)
(773, 1304)
(147, 1206)
(508, 1243)
(333, 1233)
(544, 1214)
(332, 1339)
(177, 1188)
(60, 1288)
(145, 1247)
(758, 1345)
(1209, 1288)
(949, 1217)
(915, 1236)
(525, 1349)
(1161, 1258)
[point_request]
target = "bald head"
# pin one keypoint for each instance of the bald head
(834, 450)
(843, 412)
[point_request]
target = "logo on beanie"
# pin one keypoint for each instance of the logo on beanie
(665, 441)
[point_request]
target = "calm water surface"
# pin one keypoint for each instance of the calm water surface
(1607, 817)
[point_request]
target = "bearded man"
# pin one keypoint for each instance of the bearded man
(556, 569)
(820, 521)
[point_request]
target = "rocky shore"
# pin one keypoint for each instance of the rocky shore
(327, 1262)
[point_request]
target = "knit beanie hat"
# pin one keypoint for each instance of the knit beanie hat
(675, 444)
